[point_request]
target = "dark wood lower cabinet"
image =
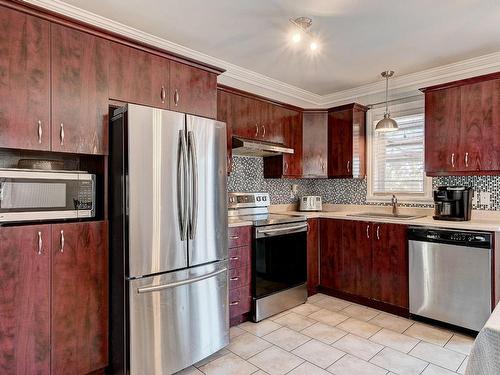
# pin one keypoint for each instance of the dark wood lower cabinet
(79, 297)
(25, 300)
(365, 262)
(390, 264)
(331, 254)
(312, 256)
(58, 327)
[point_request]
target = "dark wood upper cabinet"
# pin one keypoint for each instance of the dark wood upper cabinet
(80, 67)
(24, 81)
(315, 144)
(25, 300)
(193, 90)
(346, 141)
(442, 130)
(79, 297)
(138, 77)
(390, 264)
(225, 113)
(462, 127)
(331, 254)
(312, 256)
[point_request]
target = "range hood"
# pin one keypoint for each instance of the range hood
(251, 147)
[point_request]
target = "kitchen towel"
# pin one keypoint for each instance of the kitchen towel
(485, 354)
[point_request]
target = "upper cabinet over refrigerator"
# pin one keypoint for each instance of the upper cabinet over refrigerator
(206, 141)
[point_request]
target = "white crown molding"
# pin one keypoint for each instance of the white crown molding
(246, 79)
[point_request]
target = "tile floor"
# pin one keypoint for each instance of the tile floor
(330, 336)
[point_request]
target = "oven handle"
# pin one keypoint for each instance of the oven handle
(281, 230)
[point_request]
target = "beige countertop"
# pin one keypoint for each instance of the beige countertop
(481, 220)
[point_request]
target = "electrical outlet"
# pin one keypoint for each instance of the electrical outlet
(294, 189)
(485, 198)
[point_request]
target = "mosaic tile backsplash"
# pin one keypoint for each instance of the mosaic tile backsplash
(248, 176)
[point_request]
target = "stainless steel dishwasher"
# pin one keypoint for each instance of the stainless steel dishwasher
(450, 275)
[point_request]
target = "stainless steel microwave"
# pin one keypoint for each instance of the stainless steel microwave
(34, 195)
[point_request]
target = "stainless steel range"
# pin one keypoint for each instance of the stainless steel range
(279, 254)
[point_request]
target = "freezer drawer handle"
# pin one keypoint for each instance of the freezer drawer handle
(155, 288)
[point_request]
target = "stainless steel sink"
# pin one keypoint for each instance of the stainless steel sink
(381, 215)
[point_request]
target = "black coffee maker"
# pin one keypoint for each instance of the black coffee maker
(453, 203)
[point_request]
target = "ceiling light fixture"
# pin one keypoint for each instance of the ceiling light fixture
(387, 124)
(303, 25)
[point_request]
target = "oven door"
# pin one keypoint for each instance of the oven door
(279, 258)
(43, 195)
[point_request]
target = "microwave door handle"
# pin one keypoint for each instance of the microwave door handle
(194, 179)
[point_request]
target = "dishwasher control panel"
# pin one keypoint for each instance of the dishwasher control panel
(452, 237)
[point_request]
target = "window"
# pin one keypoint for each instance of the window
(396, 159)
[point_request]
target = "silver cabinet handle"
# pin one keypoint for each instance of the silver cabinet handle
(234, 278)
(256, 130)
(453, 159)
(234, 237)
(182, 178)
(378, 232)
(263, 131)
(176, 97)
(62, 241)
(286, 166)
(155, 288)
(194, 177)
(235, 303)
(61, 134)
(348, 166)
(368, 231)
(40, 131)
(40, 244)
(234, 258)
(322, 163)
(466, 159)
(163, 94)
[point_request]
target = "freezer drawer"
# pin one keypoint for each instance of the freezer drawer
(178, 319)
(450, 283)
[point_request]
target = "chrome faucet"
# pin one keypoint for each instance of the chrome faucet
(394, 202)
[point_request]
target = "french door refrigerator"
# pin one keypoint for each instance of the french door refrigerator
(168, 211)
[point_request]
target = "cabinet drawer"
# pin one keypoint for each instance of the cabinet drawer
(239, 257)
(239, 236)
(239, 277)
(239, 301)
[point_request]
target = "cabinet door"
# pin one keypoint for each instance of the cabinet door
(331, 254)
(442, 130)
(480, 126)
(138, 77)
(340, 143)
(79, 91)
(24, 81)
(312, 256)
(225, 114)
(79, 297)
(243, 126)
(292, 131)
(390, 264)
(25, 300)
(193, 90)
(272, 119)
(357, 249)
(315, 144)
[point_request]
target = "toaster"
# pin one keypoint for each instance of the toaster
(310, 203)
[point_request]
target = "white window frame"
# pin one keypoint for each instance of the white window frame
(375, 114)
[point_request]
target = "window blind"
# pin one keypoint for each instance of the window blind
(398, 165)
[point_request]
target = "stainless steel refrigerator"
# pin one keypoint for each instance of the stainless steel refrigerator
(168, 260)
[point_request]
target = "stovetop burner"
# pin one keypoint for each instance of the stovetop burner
(254, 207)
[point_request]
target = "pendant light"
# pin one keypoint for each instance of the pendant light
(387, 124)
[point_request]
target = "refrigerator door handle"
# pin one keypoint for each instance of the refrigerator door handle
(155, 288)
(194, 171)
(182, 179)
